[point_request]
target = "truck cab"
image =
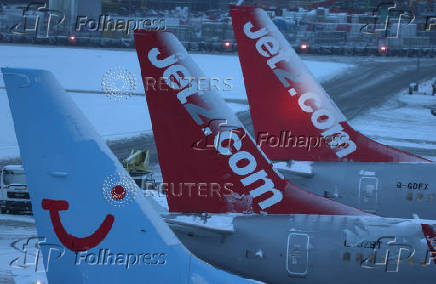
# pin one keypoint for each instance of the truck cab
(14, 196)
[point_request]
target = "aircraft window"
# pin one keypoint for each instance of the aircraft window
(409, 196)
(346, 257)
(420, 196)
(431, 197)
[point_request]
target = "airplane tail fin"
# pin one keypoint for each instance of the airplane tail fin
(293, 117)
(209, 163)
(94, 224)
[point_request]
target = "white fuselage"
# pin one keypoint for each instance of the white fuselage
(320, 249)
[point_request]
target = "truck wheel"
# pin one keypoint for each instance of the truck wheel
(433, 112)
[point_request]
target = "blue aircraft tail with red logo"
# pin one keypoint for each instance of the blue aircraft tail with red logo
(95, 224)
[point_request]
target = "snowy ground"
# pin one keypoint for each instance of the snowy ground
(14, 233)
(83, 69)
(404, 121)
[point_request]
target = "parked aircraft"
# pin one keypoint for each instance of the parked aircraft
(296, 120)
(298, 237)
(233, 168)
(70, 168)
(286, 102)
(93, 224)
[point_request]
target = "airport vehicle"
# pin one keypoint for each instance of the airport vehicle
(296, 120)
(91, 228)
(299, 237)
(137, 165)
(14, 196)
(138, 160)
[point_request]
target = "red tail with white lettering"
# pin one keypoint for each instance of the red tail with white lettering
(294, 118)
(207, 159)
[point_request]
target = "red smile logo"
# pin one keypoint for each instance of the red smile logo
(71, 242)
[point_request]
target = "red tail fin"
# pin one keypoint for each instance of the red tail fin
(294, 118)
(206, 157)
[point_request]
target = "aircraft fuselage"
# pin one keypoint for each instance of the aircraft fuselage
(319, 249)
(397, 190)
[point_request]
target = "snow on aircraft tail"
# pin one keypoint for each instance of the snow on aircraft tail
(208, 161)
(94, 226)
(293, 117)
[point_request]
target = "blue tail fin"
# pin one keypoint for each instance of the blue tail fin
(96, 225)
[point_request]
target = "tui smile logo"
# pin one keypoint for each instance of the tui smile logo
(69, 241)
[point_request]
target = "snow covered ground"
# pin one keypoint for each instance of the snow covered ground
(113, 119)
(404, 121)
(83, 69)
(15, 231)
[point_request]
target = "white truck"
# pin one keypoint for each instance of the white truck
(14, 196)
